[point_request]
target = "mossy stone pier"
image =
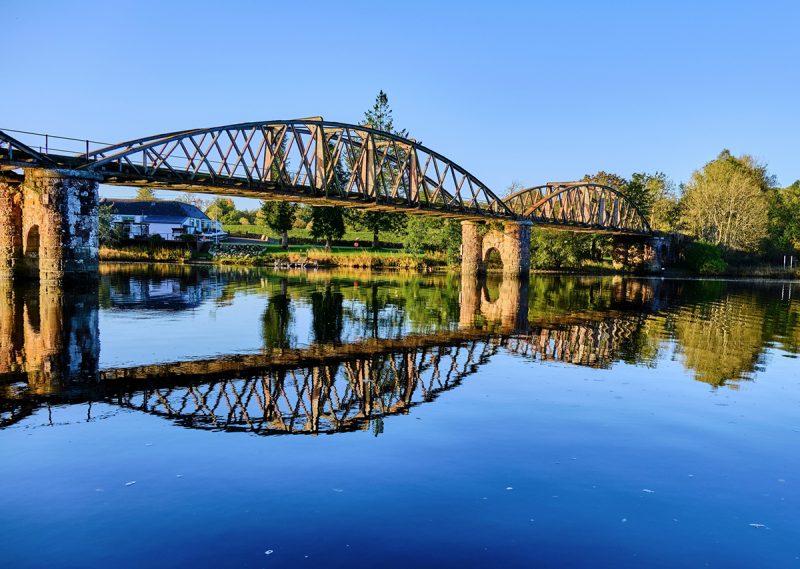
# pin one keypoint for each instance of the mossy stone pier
(513, 244)
(49, 225)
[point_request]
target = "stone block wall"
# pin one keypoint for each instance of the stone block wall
(10, 226)
(49, 226)
(513, 244)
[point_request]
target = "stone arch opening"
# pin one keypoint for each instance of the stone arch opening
(493, 260)
(32, 241)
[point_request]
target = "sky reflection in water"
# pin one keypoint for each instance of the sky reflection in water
(568, 422)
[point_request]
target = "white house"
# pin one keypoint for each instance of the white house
(170, 220)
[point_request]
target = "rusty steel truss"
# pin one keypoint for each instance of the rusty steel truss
(301, 159)
(326, 163)
(582, 205)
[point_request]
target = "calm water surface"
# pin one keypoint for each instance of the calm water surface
(203, 417)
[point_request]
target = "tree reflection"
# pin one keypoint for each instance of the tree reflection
(277, 320)
(326, 315)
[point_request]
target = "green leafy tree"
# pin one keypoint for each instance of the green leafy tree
(424, 233)
(727, 202)
(377, 221)
(220, 209)
(380, 117)
(655, 197)
(551, 249)
(146, 194)
(327, 222)
(279, 216)
(784, 218)
(107, 233)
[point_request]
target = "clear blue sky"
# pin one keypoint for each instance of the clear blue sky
(528, 91)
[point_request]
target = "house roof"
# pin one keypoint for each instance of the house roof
(155, 209)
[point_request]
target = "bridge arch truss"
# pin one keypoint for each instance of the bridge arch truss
(300, 159)
(579, 205)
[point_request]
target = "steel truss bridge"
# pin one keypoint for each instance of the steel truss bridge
(325, 389)
(323, 163)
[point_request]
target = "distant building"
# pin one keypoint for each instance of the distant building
(170, 220)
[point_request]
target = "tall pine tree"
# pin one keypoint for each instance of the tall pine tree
(380, 118)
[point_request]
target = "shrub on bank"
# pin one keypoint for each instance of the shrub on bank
(704, 258)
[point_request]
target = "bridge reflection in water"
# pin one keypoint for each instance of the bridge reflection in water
(50, 348)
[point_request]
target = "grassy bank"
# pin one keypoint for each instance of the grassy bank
(146, 253)
(267, 255)
(229, 254)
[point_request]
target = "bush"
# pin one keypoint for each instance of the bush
(704, 258)
(559, 249)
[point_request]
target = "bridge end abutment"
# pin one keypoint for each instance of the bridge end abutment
(643, 254)
(49, 226)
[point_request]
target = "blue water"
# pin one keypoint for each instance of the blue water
(676, 446)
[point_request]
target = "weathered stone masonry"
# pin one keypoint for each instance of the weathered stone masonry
(10, 225)
(49, 226)
(513, 244)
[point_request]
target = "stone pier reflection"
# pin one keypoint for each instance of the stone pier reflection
(49, 336)
(508, 310)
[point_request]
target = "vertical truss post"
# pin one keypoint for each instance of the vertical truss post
(601, 211)
(586, 206)
(413, 177)
(367, 167)
(270, 158)
(320, 158)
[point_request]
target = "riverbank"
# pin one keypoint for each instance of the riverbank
(258, 255)
(270, 255)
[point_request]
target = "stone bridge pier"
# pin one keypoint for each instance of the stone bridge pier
(48, 225)
(513, 244)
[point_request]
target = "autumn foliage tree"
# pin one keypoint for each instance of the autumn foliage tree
(726, 202)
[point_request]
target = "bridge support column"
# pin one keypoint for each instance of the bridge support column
(516, 253)
(471, 250)
(636, 253)
(10, 226)
(59, 226)
(513, 244)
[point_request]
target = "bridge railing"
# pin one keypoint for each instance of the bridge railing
(51, 144)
